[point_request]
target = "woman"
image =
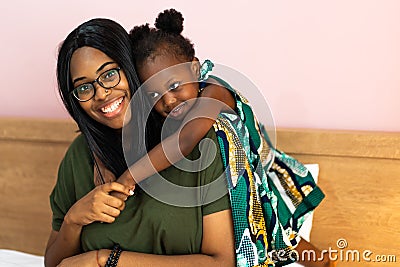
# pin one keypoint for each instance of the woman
(87, 221)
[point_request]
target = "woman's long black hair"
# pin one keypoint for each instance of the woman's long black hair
(112, 39)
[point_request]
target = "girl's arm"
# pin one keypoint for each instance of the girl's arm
(196, 124)
(217, 228)
(97, 205)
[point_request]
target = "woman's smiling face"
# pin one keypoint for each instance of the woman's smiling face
(107, 106)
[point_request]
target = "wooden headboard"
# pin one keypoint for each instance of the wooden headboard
(360, 176)
(359, 173)
(30, 152)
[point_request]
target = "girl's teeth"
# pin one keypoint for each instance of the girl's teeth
(178, 108)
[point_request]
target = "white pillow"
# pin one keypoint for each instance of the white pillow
(305, 229)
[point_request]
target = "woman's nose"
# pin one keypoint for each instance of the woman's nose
(100, 92)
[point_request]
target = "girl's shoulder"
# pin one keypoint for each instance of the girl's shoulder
(217, 90)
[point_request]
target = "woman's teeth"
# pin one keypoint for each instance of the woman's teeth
(113, 106)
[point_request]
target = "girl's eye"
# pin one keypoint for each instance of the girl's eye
(153, 95)
(174, 85)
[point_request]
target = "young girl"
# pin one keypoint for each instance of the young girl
(181, 91)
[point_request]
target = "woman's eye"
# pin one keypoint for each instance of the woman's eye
(84, 89)
(174, 85)
(110, 75)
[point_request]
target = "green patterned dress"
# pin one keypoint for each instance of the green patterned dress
(266, 225)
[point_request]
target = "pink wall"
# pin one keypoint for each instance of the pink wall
(321, 64)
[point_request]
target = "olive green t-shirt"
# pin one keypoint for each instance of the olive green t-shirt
(152, 221)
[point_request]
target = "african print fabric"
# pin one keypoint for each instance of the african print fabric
(266, 225)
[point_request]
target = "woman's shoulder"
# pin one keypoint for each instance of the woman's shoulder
(207, 147)
(77, 153)
(78, 145)
(210, 159)
(78, 141)
(76, 168)
(203, 161)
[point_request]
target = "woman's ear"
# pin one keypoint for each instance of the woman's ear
(195, 67)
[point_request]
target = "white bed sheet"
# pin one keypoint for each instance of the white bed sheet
(12, 258)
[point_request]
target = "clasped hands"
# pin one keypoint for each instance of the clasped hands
(104, 203)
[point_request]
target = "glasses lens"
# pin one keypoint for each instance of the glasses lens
(109, 78)
(84, 92)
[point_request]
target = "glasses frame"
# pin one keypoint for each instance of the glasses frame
(73, 92)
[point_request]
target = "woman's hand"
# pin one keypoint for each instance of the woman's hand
(88, 259)
(98, 205)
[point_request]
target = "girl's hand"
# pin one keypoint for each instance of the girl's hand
(127, 180)
(123, 196)
(98, 205)
(88, 259)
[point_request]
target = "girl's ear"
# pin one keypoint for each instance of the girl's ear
(195, 67)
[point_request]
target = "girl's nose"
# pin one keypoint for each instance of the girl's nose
(169, 99)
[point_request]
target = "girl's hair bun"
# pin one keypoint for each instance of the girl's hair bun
(170, 21)
(139, 32)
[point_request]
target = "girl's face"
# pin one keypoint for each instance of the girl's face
(170, 90)
(107, 106)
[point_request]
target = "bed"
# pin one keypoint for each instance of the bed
(359, 173)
